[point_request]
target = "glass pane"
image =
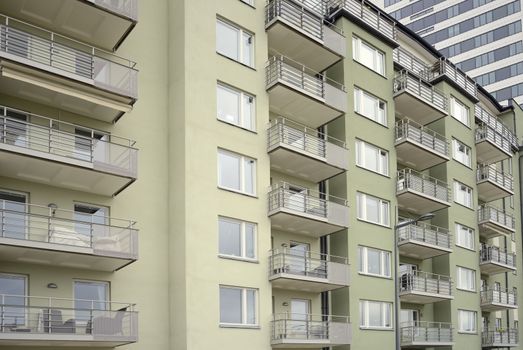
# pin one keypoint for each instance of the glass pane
(251, 306)
(372, 207)
(366, 55)
(228, 105)
(229, 170)
(248, 45)
(89, 296)
(14, 314)
(248, 112)
(371, 157)
(368, 106)
(227, 39)
(250, 240)
(249, 168)
(385, 213)
(230, 242)
(386, 264)
(89, 220)
(230, 305)
(375, 317)
(373, 261)
(13, 215)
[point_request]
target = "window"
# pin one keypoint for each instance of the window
(374, 261)
(375, 314)
(88, 220)
(465, 237)
(15, 221)
(237, 238)
(467, 321)
(234, 43)
(370, 106)
(235, 107)
(89, 295)
(372, 209)
(14, 290)
(459, 111)
(236, 172)
(368, 55)
(238, 306)
(462, 153)
(372, 158)
(248, 2)
(466, 279)
(462, 194)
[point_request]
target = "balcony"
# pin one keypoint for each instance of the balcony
(419, 147)
(495, 300)
(403, 59)
(418, 100)
(309, 331)
(503, 338)
(493, 260)
(307, 271)
(423, 241)
(49, 236)
(294, 30)
(495, 222)
(54, 70)
(493, 184)
(302, 94)
(426, 335)
(303, 152)
(101, 23)
(37, 321)
(491, 145)
(484, 117)
(302, 211)
(420, 287)
(445, 69)
(64, 155)
(419, 193)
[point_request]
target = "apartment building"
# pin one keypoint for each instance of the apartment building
(305, 175)
(482, 37)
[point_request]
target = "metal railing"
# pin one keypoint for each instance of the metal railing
(409, 179)
(426, 332)
(75, 317)
(410, 130)
(498, 296)
(127, 8)
(294, 326)
(444, 67)
(36, 223)
(369, 15)
(425, 282)
(308, 264)
(425, 233)
(303, 200)
(493, 254)
(500, 337)
(297, 75)
(53, 52)
(495, 123)
(418, 87)
(411, 63)
(59, 138)
(490, 173)
(495, 215)
(487, 133)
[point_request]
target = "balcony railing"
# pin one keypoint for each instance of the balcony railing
(307, 327)
(492, 254)
(127, 8)
(495, 296)
(307, 264)
(57, 138)
(370, 16)
(426, 282)
(66, 229)
(411, 63)
(410, 130)
(419, 88)
(426, 333)
(490, 173)
(497, 216)
(409, 179)
(496, 124)
(487, 133)
(500, 338)
(44, 318)
(425, 234)
(444, 67)
(42, 49)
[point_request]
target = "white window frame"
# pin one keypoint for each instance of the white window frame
(361, 200)
(244, 307)
(464, 158)
(243, 240)
(474, 315)
(364, 314)
(241, 33)
(378, 56)
(251, 3)
(242, 118)
(361, 147)
(359, 94)
(453, 112)
(461, 241)
(363, 262)
(460, 187)
(242, 172)
(461, 284)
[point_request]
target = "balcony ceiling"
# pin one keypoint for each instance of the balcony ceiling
(302, 223)
(417, 156)
(488, 152)
(302, 283)
(489, 191)
(420, 250)
(416, 297)
(22, 339)
(494, 268)
(419, 203)
(418, 110)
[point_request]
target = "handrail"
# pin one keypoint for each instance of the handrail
(426, 332)
(49, 302)
(305, 131)
(324, 197)
(495, 254)
(321, 317)
(426, 233)
(417, 86)
(425, 324)
(309, 255)
(410, 179)
(489, 172)
(444, 67)
(485, 132)
(501, 296)
(408, 129)
(501, 337)
(490, 213)
(495, 123)
(411, 63)
(427, 282)
(128, 8)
